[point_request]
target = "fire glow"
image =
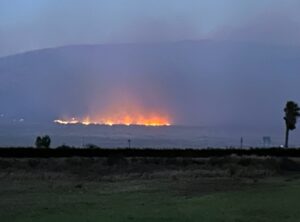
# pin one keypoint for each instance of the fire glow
(122, 108)
(127, 120)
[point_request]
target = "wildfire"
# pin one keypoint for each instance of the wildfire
(123, 108)
(127, 120)
(66, 122)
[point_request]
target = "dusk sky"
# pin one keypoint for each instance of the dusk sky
(31, 24)
(190, 63)
(183, 75)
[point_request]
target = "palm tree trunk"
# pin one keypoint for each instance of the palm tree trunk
(287, 137)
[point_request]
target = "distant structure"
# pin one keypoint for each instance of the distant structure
(267, 141)
(242, 142)
(129, 143)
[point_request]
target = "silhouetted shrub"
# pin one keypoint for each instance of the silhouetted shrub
(91, 146)
(64, 147)
(43, 142)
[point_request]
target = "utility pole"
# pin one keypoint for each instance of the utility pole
(129, 143)
(83, 142)
(242, 142)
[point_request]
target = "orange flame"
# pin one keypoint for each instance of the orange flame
(124, 110)
(152, 120)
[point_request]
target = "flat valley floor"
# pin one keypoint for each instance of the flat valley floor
(236, 189)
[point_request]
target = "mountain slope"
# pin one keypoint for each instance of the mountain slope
(197, 82)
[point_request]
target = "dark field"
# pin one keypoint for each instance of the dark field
(118, 188)
(95, 151)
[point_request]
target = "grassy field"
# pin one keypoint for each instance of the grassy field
(85, 189)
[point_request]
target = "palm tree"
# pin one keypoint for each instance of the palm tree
(292, 112)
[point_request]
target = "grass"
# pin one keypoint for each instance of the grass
(168, 194)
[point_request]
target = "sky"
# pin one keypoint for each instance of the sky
(35, 24)
(247, 70)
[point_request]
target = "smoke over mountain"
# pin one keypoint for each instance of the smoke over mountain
(193, 83)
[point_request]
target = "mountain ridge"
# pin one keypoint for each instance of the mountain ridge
(191, 77)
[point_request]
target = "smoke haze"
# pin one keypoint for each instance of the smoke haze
(195, 83)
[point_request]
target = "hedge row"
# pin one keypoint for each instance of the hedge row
(99, 152)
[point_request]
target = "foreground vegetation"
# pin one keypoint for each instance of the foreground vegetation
(150, 189)
(94, 151)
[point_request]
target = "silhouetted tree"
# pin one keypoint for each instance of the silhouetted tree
(292, 112)
(38, 142)
(46, 141)
(43, 142)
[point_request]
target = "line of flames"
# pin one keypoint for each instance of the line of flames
(128, 121)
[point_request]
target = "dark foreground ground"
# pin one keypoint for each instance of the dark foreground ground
(94, 151)
(141, 189)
